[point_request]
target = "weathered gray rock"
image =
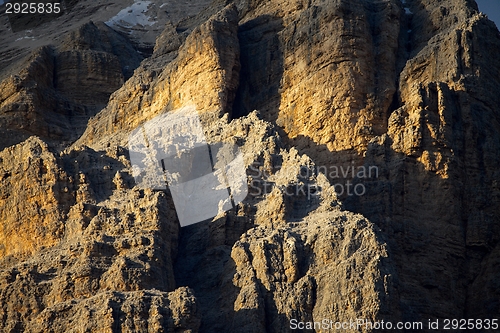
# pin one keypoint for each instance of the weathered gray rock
(341, 83)
(58, 89)
(436, 196)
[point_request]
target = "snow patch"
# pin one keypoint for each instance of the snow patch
(25, 37)
(132, 16)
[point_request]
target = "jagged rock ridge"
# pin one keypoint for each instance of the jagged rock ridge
(403, 86)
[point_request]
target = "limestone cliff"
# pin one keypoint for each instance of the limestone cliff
(303, 88)
(59, 88)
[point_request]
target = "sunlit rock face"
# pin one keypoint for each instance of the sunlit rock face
(369, 132)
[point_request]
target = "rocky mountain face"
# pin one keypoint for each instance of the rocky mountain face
(400, 96)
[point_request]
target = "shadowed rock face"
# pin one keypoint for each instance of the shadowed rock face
(61, 87)
(406, 87)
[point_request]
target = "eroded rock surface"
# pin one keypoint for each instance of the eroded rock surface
(58, 89)
(203, 72)
(407, 87)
